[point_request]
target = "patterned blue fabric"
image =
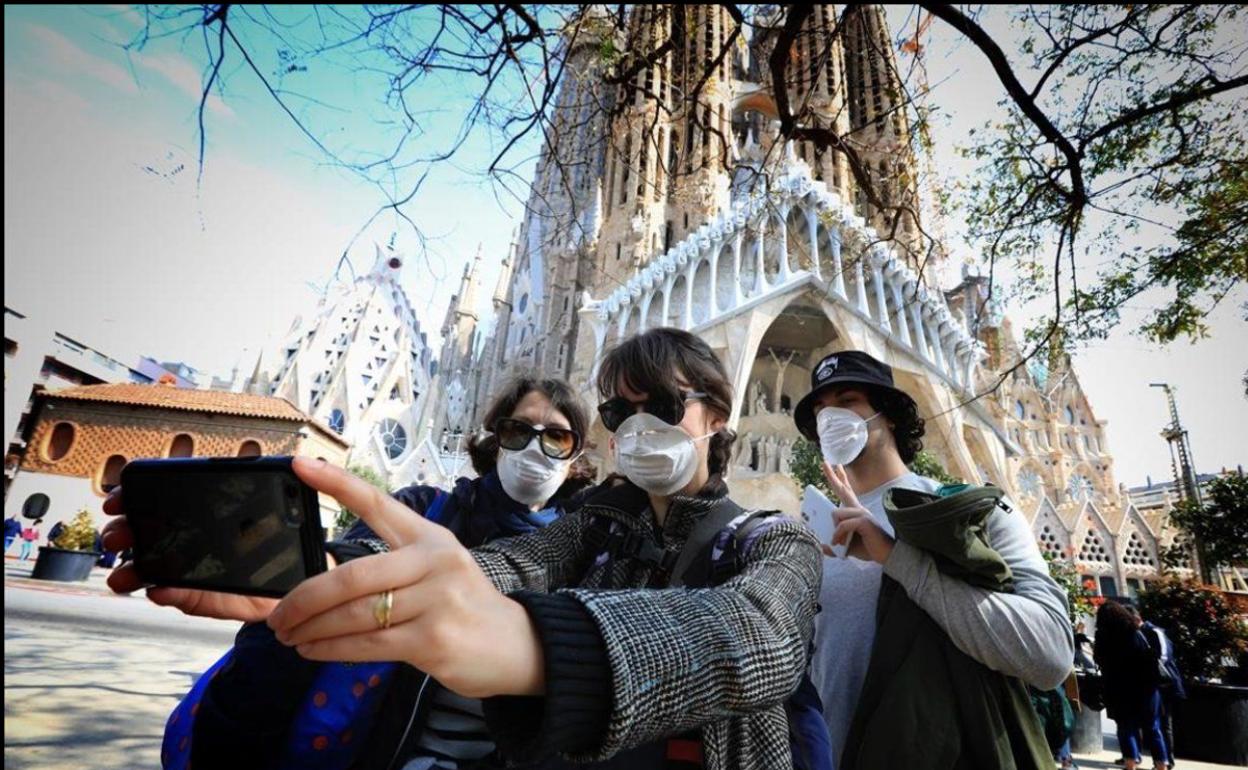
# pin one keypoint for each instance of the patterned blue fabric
(340, 705)
(175, 751)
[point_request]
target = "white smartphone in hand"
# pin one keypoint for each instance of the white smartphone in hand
(817, 513)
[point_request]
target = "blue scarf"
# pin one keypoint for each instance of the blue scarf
(487, 512)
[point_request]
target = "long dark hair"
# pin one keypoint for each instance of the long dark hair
(1115, 625)
(484, 449)
(900, 410)
(646, 363)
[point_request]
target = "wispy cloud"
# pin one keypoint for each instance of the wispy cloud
(65, 54)
(182, 74)
(125, 19)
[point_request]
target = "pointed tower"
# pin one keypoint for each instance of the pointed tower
(670, 142)
(459, 371)
(880, 123)
(461, 319)
(553, 257)
(818, 84)
(258, 383)
(362, 366)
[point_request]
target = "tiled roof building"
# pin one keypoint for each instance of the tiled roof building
(81, 438)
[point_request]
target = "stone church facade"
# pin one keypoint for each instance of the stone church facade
(776, 259)
(362, 365)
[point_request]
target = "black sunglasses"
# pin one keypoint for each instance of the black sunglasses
(556, 443)
(670, 410)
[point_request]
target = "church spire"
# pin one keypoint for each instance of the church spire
(467, 297)
(504, 275)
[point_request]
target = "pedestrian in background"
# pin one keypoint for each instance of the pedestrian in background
(12, 528)
(1130, 674)
(29, 536)
(55, 532)
(1083, 648)
(1171, 686)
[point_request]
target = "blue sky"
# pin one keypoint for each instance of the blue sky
(94, 137)
(104, 232)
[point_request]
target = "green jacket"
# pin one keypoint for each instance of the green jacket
(925, 703)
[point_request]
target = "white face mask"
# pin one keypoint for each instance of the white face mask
(529, 476)
(657, 457)
(842, 434)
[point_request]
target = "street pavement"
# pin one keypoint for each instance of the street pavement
(90, 677)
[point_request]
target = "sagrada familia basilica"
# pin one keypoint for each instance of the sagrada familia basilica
(647, 210)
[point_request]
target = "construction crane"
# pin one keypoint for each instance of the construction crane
(1180, 449)
(1182, 467)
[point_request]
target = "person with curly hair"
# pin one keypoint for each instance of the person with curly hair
(868, 431)
(1132, 682)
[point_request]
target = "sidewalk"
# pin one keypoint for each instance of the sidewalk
(17, 573)
(1105, 760)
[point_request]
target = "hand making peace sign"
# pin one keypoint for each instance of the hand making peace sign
(872, 543)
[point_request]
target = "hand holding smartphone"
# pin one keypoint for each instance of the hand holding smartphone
(236, 525)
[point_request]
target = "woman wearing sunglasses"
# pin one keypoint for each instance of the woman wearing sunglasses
(581, 653)
(529, 467)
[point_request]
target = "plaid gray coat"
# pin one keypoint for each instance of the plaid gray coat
(724, 659)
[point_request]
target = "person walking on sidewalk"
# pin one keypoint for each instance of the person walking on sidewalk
(1171, 686)
(12, 528)
(30, 536)
(1132, 694)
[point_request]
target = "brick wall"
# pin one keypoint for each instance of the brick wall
(102, 430)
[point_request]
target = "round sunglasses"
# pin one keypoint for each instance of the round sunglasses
(555, 443)
(669, 409)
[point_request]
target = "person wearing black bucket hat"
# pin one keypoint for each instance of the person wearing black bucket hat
(868, 430)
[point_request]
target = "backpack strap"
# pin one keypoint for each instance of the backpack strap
(693, 565)
(717, 559)
(733, 550)
(609, 540)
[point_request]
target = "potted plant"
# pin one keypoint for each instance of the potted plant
(72, 555)
(1211, 725)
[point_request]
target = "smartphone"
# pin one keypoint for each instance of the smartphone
(817, 513)
(243, 525)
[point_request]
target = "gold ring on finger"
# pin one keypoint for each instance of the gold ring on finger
(382, 608)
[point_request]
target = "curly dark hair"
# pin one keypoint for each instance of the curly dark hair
(645, 363)
(483, 449)
(900, 410)
(1115, 625)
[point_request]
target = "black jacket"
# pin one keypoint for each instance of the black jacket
(1129, 674)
